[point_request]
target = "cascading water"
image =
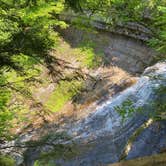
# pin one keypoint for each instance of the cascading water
(103, 134)
(104, 130)
(105, 118)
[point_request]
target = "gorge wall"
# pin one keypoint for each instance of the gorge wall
(132, 55)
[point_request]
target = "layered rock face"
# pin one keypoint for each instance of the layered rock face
(154, 160)
(104, 137)
(111, 139)
(131, 55)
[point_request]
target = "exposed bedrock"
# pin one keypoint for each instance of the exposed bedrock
(110, 139)
(103, 137)
(132, 55)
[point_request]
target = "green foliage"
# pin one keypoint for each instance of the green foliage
(59, 151)
(159, 105)
(151, 14)
(26, 37)
(28, 31)
(5, 114)
(127, 108)
(84, 54)
(89, 59)
(41, 163)
(87, 55)
(116, 11)
(159, 27)
(7, 29)
(82, 23)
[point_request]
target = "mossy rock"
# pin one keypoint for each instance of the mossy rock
(155, 160)
(6, 161)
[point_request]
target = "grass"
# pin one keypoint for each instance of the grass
(64, 92)
(86, 57)
(83, 55)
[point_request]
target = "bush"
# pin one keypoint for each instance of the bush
(6, 161)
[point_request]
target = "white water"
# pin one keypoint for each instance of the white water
(106, 120)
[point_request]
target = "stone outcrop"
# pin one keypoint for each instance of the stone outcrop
(155, 160)
(131, 55)
(103, 138)
(129, 29)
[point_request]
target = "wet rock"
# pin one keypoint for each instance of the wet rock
(155, 160)
(110, 135)
(151, 141)
(102, 135)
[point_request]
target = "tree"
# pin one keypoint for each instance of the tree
(26, 37)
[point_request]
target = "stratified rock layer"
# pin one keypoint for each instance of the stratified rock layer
(103, 138)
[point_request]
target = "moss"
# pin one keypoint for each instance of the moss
(88, 55)
(64, 92)
(39, 163)
(6, 161)
(84, 54)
